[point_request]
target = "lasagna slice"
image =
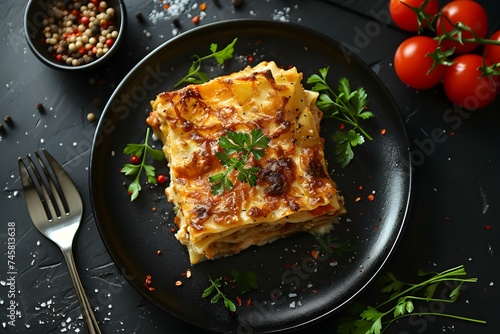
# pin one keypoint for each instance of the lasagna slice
(293, 190)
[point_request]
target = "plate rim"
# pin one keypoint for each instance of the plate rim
(407, 202)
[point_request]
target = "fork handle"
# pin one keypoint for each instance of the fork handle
(87, 313)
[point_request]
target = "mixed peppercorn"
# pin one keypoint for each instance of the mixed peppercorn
(79, 32)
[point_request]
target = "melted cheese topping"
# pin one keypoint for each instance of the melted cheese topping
(294, 191)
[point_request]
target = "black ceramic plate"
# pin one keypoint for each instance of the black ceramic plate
(296, 286)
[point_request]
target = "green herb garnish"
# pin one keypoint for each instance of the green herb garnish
(140, 151)
(375, 320)
(347, 106)
(195, 76)
(246, 281)
(215, 286)
(236, 149)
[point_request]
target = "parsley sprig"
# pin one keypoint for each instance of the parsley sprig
(141, 151)
(215, 286)
(375, 320)
(349, 107)
(236, 149)
(195, 76)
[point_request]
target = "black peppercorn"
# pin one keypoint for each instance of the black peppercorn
(8, 120)
(40, 107)
(140, 17)
(236, 3)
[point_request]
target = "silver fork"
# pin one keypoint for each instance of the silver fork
(56, 208)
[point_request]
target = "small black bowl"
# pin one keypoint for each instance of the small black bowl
(38, 10)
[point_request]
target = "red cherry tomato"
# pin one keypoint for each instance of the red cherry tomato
(464, 85)
(404, 17)
(491, 51)
(467, 12)
(413, 63)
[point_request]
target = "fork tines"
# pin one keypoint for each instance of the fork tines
(41, 174)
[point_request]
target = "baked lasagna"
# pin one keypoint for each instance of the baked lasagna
(293, 190)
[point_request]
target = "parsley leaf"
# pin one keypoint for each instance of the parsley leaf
(236, 149)
(215, 286)
(195, 76)
(141, 151)
(401, 303)
(346, 106)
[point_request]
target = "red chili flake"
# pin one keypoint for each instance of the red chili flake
(249, 301)
(447, 218)
(383, 131)
(130, 193)
(158, 252)
(360, 187)
(147, 283)
(376, 227)
(134, 159)
(250, 58)
(172, 229)
(371, 197)
(196, 19)
(452, 133)
(153, 209)
(166, 6)
(341, 126)
(487, 227)
(238, 300)
(357, 199)
(288, 266)
(203, 6)
(314, 253)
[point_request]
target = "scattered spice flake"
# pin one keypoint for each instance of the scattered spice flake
(371, 197)
(360, 187)
(238, 300)
(452, 133)
(249, 301)
(487, 227)
(447, 218)
(203, 6)
(153, 209)
(383, 132)
(250, 58)
(158, 252)
(188, 273)
(375, 227)
(178, 283)
(342, 126)
(147, 283)
(357, 199)
(314, 253)
(196, 19)
(172, 230)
